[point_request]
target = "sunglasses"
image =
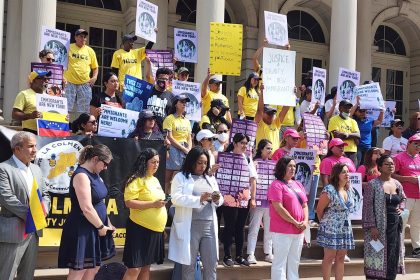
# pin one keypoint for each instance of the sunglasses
(208, 139)
(50, 59)
(105, 163)
(222, 131)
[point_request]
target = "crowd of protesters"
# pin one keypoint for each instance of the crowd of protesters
(389, 173)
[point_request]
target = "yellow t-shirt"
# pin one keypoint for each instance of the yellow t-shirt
(26, 102)
(289, 119)
(345, 126)
(250, 101)
(179, 126)
(147, 189)
(81, 61)
(206, 100)
(270, 132)
(128, 63)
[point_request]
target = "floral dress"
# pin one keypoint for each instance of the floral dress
(335, 230)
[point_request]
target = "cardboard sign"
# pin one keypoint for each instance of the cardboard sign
(117, 122)
(146, 20)
(319, 82)
(193, 91)
(276, 30)
(185, 45)
(347, 80)
(58, 41)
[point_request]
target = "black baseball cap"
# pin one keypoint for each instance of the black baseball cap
(345, 103)
(129, 37)
(81, 31)
(269, 110)
(181, 96)
(218, 103)
(146, 114)
(215, 81)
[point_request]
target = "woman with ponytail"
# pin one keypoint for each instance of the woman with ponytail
(87, 240)
(144, 196)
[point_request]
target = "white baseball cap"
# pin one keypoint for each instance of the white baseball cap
(205, 133)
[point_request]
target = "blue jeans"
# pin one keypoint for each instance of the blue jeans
(312, 196)
(361, 155)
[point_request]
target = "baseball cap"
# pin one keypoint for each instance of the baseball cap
(345, 102)
(81, 31)
(396, 121)
(146, 114)
(38, 73)
(218, 103)
(205, 133)
(215, 80)
(181, 96)
(254, 75)
(336, 142)
(183, 70)
(269, 110)
(291, 132)
(128, 37)
(415, 137)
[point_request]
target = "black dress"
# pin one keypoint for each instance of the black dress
(81, 247)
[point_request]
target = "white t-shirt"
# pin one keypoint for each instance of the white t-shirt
(306, 107)
(394, 144)
(328, 105)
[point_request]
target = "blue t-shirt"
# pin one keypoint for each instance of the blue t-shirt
(365, 127)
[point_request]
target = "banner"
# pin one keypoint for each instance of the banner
(276, 31)
(117, 122)
(370, 96)
(146, 20)
(53, 104)
(389, 115)
(58, 41)
(55, 82)
(265, 171)
(160, 59)
(305, 163)
(193, 91)
(233, 179)
(136, 92)
(247, 127)
(185, 45)
(316, 133)
(225, 48)
(347, 80)
(57, 158)
(319, 81)
(356, 187)
(279, 77)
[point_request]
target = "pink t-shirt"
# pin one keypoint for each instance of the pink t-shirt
(367, 177)
(280, 192)
(406, 165)
(279, 153)
(328, 163)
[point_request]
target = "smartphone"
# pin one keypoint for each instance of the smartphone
(167, 198)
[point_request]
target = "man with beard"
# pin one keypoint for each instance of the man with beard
(24, 108)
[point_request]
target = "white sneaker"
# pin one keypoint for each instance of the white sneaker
(269, 258)
(346, 258)
(251, 259)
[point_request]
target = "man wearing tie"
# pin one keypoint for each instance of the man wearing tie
(19, 248)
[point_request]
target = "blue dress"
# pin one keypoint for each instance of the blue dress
(81, 247)
(335, 230)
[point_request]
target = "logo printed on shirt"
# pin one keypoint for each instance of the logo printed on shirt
(129, 60)
(157, 105)
(80, 56)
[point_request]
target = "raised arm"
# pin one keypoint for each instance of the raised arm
(205, 84)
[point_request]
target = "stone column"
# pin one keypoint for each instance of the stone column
(364, 40)
(207, 11)
(343, 37)
(162, 24)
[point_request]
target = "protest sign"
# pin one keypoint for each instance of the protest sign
(146, 20)
(279, 77)
(136, 92)
(356, 188)
(316, 133)
(57, 158)
(247, 127)
(265, 171)
(117, 122)
(305, 162)
(319, 80)
(55, 82)
(276, 30)
(233, 179)
(389, 114)
(53, 104)
(185, 45)
(370, 96)
(347, 80)
(225, 48)
(160, 59)
(193, 91)
(58, 41)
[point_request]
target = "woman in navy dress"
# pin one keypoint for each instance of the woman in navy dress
(87, 233)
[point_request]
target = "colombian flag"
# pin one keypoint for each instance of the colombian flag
(53, 124)
(35, 219)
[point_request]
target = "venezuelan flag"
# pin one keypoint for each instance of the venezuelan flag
(35, 219)
(53, 124)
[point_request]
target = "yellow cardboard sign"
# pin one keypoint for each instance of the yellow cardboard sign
(225, 48)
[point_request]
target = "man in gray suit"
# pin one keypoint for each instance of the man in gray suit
(18, 250)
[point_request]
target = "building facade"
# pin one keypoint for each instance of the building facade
(379, 38)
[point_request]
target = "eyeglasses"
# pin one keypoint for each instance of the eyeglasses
(416, 144)
(105, 163)
(222, 131)
(50, 59)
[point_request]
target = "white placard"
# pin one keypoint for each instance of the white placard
(305, 162)
(389, 114)
(193, 91)
(146, 20)
(117, 122)
(279, 77)
(370, 96)
(58, 41)
(50, 103)
(276, 30)
(356, 186)
(185, 45)
(347, 80)
(319, 81)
